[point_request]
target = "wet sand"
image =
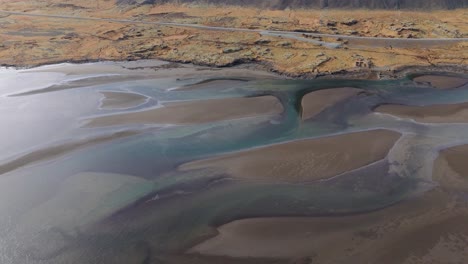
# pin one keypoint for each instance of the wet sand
(56, 151)
(442, 82)
(430, 228)
(315, 102)
(118, 100)
(444, 113)
(304, 160)
(196, 112)
(451, 168)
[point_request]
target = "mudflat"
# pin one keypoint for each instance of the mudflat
(304, 160)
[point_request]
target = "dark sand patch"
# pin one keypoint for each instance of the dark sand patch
(304, 160)
(422, 229)
(444, 113)
(195, 112)
(116, 100)
(442, 82)
(315, 102)
(56, 151)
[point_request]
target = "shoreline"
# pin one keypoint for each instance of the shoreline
(399, 72)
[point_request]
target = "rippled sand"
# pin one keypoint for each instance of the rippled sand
(315, 102)
(445, 113)
(304, 160)
(193, 112)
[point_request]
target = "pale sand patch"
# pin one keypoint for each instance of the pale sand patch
(116, 100)
(451, 168)
(315, 102)
(412, 229)
(58, 150)
(444, 113)
(442, 82)
(195, 112)
(304, 160)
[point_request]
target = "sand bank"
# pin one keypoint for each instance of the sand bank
(442, 82)
(194, 112)
(444, 113)
(315, 102)
(304, 160)
(56, 151)
(451, 168)
(418, 230)
(116, 100)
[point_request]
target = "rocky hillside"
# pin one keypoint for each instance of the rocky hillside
(282, 4)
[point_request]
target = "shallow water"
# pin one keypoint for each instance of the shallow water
(115, 201)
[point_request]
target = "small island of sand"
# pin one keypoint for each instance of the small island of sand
(315, 102)
(304, 160)
(442, 82)
(196, 112)
(118, 100)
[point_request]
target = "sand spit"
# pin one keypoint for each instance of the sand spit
(118, 100)
(444, 113)
(442, 82)
(195, 112)
(315, 102)
(213, 84)
(421, 230)
(56, 151)
(304, 160)
(451, 169)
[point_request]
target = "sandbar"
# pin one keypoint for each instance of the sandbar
(196, 112)
(443, 113)
(315, 102)
(451, 168)
(304, 160)
(116, 100)
(419, 229)
(442, 82)
(58, 150)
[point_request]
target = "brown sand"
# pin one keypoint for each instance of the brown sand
(113, 100)
(451, 168)
(315, 102)
(304, 160)
(194, 112)
(446, 113)
(442, 82)
(426, 229)
(56, 151)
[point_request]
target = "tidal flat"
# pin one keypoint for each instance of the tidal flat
(156, 162)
